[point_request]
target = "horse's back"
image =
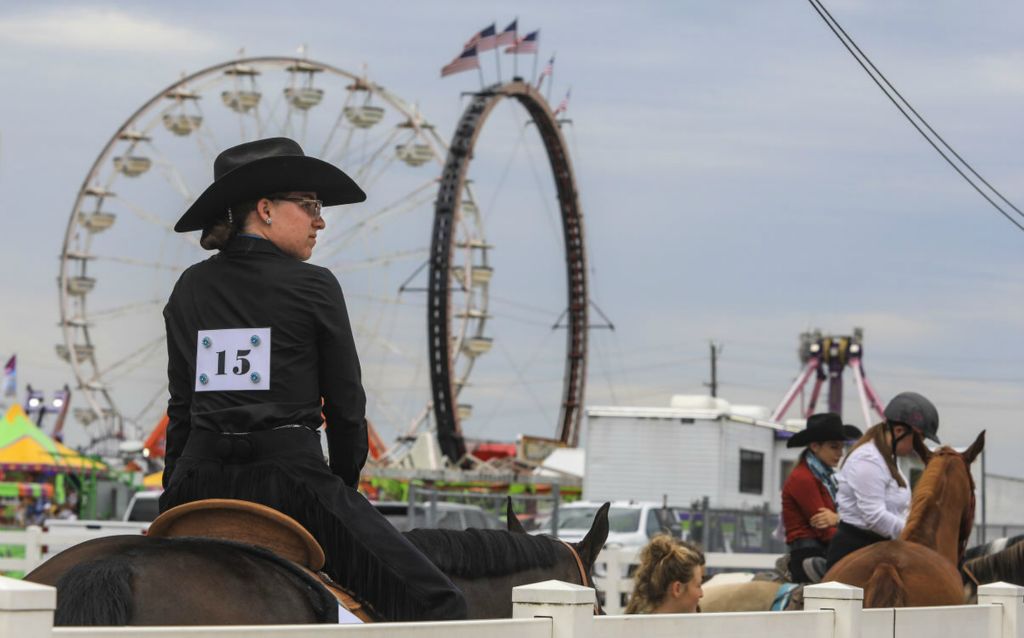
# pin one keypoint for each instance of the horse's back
(140, 580)
(910, 574)
(55, 567)
(755, 595)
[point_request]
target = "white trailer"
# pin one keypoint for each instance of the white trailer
(697, 447)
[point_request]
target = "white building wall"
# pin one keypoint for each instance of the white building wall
(643, 459)
(1004, 500)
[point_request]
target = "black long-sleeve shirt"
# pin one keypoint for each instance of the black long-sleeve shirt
(251, 285)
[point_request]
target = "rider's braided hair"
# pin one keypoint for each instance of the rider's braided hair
(219, 232)
(663, 561)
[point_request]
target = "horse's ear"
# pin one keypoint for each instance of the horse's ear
(514, 525)
(972, 452)
(593, 542)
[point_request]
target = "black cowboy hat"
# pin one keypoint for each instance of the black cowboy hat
(263, 167)
(827, 426)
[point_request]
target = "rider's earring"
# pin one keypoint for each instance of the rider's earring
(267, 220)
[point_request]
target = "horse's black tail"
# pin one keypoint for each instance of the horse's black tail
(96, 593)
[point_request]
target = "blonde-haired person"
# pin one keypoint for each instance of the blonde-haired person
(874, 495)
(668, 580)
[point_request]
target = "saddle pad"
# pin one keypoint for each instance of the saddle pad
(783, 596)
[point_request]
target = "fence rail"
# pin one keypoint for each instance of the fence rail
(560, 610)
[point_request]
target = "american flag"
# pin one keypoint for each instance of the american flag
(526, 44)
(548, 69)
(485, 40)
(508, 36)
(466, 61)
(10, 387)
(563, 106)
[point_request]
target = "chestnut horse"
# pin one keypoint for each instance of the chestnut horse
(920, 569)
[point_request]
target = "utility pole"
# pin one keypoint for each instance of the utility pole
(716, 349)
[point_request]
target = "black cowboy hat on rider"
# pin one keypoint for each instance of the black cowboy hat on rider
(874, 495)
(260, 351)
(809, 493)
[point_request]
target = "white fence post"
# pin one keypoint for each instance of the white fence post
(33, 547)
(26, 609)
(615, 569)
(847, 602)
(1011, 599)
(570, 607)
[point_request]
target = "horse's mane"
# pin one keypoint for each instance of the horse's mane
(992, 546)
(1006, 565)
(476, 553)
(926, 499)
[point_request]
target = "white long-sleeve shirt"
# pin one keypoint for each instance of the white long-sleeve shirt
(868, 496)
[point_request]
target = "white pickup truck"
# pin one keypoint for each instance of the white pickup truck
(63, 533)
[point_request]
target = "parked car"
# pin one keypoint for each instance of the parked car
(631, 524)
(449, 516)
(144, 507)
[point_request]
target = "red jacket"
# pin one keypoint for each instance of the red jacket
(802, 496)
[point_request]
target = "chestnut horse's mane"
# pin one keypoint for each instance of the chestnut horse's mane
(925, 500)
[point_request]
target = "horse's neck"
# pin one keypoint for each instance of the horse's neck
(934, 526)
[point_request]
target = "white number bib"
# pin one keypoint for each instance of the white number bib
(234, 359)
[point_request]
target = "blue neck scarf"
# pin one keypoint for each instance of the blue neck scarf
(823, 473)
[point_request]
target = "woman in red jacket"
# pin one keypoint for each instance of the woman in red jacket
(809, 494)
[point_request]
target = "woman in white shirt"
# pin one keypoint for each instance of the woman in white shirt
(874, 496)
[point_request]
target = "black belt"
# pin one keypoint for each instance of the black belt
(252, 446)
(806, 543)
(861, 533)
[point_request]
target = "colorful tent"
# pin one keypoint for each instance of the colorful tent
(23, 446)
(154, 481)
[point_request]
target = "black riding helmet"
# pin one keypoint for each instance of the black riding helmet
(912, 409)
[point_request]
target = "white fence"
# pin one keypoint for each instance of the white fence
(560, 610)
(40, 545)
(612, 573)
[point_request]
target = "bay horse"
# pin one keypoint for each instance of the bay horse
(142, 580)
(920, 568)
(1006, 565)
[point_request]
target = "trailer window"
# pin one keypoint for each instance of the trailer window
(751, 472)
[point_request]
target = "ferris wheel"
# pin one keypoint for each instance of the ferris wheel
(413, 256)
(120, 256)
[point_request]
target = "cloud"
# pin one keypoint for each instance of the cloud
(101, 29)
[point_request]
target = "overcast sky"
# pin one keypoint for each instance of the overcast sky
(742, 180)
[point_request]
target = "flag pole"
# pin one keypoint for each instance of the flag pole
(551, 77)
(497, 53)
(480, 70)
(533, 78)
(515, 56)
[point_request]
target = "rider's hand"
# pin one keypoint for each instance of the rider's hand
(824, 518)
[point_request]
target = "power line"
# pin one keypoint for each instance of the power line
(864, 62)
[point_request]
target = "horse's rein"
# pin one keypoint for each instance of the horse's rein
(583, 574)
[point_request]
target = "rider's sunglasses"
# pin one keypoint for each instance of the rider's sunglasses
(311, 206)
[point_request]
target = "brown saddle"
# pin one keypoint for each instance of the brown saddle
(253, 524)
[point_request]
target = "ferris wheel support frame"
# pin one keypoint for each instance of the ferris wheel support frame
(446, 215)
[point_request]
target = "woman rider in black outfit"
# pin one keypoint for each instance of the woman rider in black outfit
(260, 347)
